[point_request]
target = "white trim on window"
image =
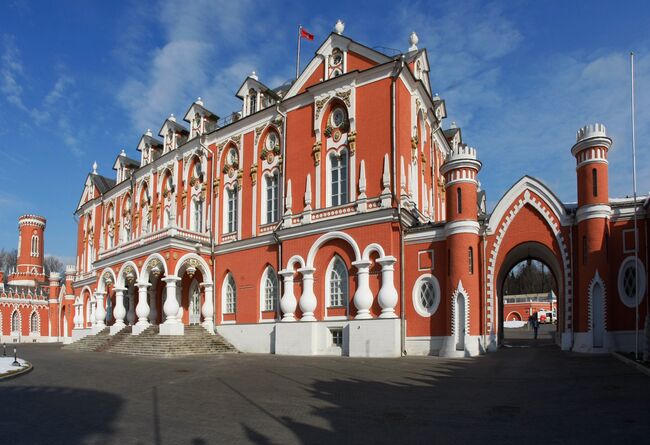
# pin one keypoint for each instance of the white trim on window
(337, 284)
(426, 295)
(338, 178)
(229, 295)
(269, 290)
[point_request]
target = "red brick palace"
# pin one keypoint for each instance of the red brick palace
(337, 214)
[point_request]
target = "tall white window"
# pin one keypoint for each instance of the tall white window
(270, 289)
(339, 178)
(33, 323)
(338, 283)
(272, 183)
(252, 101)
(232, 204)
(15, 322)
(197, 216)
(34, 245)
(230, 295)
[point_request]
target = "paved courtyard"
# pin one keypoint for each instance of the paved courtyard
(528, 393)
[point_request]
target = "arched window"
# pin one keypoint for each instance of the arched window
(338, 283)
(470, 257)
(270, 290)
(35, 245)
(15, 322)
(197, 215)
(339, 178)
(459, 200)
(271, 198)
(252, 101)
(229, 295)
(231, 209)
(33, 323)
(594, 181)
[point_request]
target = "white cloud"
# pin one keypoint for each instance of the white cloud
(11, 72)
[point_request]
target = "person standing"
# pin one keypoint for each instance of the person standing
(535, 323)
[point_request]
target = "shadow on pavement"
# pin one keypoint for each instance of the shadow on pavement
(47, 415)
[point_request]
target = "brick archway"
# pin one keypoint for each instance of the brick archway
(529, 213)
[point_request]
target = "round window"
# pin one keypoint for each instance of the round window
(338, 117)
(426, 295)
(629, 283)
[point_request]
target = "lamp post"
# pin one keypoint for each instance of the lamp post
(15, 363)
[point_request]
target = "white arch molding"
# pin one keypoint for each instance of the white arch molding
(202, 264)
(328, 237)
(120, 275)
(554, 222)
(146, 271)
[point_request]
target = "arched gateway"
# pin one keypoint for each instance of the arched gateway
(529, 222)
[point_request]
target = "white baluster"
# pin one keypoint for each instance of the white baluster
(363, 296)
(308, 300)
(387, 296)
(172, 325)
(208, 307)
(288, 302)
(100, 312)
(119, 312)
(142, 309)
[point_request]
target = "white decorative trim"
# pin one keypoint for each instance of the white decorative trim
(373, 247)
(460, 290)
(641, 282)
(120, 276)
(593, 211)
(330, 236)
(590, 316)
(205, 268)
(554, 220)
(456, 227)
(537, 187)
(415, 294)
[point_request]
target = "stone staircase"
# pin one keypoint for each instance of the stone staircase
(115, 339)
(90, 342)
(195, 341)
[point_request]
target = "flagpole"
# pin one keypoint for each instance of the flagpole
(298, 55)
(636, 235)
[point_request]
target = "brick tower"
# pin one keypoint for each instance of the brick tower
(592, 217)
(462, 229)
(29, 266)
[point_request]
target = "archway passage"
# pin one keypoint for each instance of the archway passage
(529, 281)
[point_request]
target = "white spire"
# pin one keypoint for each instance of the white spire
(287, 198)
(123, 153)
(339, 27)
(254, 76)
(199, 101)
(95, 168)
(362, 179)
(453, 124)
(385, 177)
(148, 132)
(308, 193)
(172, 118)
(413, 40)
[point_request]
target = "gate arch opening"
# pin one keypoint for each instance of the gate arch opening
(529, 251)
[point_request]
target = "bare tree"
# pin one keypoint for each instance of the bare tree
(52, 264)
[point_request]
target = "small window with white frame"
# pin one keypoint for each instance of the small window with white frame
(426, 295)
(337, 337)
(232, 208)
(270, 290)
(271, 186)
(337, 281)
(338, 177)
(631, 281)
(229, 295)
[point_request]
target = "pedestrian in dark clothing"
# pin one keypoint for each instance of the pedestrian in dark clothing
(535, 323)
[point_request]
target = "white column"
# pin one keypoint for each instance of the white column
(208, 308)
(288, 302)
(153, 311)
(130, 314)
(92, 313)
(308, 299)
(171, 326)
(142, 309)
(387, 296)
(100, 312)
(119, 311)
(363, 296)
(75, 319)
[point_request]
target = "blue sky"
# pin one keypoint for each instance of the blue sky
(79, 81)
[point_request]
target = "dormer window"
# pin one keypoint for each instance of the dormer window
(336, 63)
(252, 101)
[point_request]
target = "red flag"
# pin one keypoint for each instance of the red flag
(305, 35)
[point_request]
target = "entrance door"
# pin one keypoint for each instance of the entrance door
(598, 318)
(460, 323)
(195, 306)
